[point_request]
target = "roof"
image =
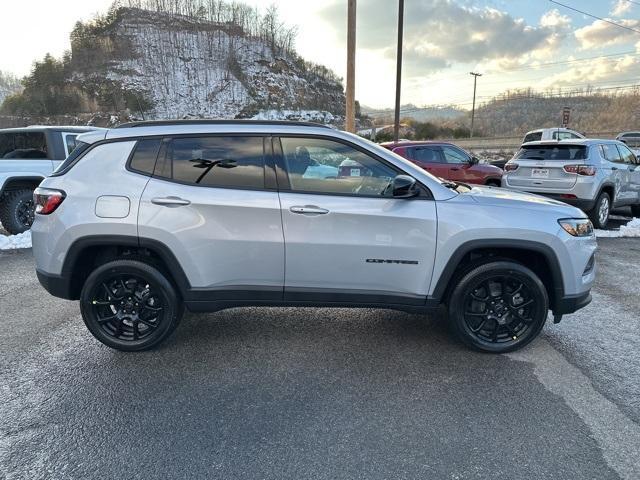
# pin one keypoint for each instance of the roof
(154, 123)
(54, 128)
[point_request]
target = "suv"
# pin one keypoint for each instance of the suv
(594, 175)
(27, 155)
(153, 217)
(447, 161)
(551, 134)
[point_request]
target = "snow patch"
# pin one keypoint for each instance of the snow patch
(12, 242)
(318, 116)
(631, 229)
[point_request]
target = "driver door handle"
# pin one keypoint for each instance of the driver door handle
(308, 210)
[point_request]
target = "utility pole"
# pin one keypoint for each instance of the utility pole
(350, 117)
(396, 126)
(473, 109)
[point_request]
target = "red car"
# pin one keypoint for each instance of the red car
(447, 161)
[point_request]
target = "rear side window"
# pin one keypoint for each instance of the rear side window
(427, 155)
(70, 142)
(81, 147)
(610, 152)
(23, 145)
(552, 152)
(144, 156)
(532, 137)
(232, 162)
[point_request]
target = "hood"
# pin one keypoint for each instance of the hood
(503, 197)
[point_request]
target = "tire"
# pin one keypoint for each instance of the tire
(130, 305)
(635, 211)
(599, 215)
(17, 211)
(516, 316)
(493, 183)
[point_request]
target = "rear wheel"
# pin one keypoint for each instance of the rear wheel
(498, 307)
(600, 213)
(635, 211)
(130, 305)
(17, 211)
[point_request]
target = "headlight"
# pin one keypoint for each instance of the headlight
(578, 227)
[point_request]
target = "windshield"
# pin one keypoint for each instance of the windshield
(552, 152)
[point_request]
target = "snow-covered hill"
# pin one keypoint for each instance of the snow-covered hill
(177, 66)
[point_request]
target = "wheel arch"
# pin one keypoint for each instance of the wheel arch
(86, 253)
(537, 256)
(20, 182)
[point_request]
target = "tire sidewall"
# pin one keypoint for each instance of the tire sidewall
(486, 271)
(155, 278)
(11, 203)
(595, 213)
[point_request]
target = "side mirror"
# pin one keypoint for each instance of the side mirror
(405, 186)
(474, 160)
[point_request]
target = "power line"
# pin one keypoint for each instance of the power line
(634, 2)
(595, 16)
(575, 60)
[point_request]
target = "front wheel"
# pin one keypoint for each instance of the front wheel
(17, 211)
(129, 305)
(498, 307)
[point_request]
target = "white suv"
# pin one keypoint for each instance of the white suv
(209, 215)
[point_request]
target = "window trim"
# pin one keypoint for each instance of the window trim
(283, 175)
(166, 140)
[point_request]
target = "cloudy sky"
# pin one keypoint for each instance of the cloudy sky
(514, 43)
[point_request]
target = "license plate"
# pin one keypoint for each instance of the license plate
(540, 173)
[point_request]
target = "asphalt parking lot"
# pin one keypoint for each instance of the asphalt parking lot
(320, 393)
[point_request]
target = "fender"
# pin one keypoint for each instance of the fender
(27, 177)
(525, 245)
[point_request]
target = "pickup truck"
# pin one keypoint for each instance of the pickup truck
(27, 156)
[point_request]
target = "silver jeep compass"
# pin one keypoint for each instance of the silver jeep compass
(595, 175)
(153, 217)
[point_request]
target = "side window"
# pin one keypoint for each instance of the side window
(574, 136)
(70, 142)
(427, 155)
(453, 155)
(611, 153)
(627, 155)
(232, 162)
(326, 166)
(23, 145)
(144, 156)
(563, 135)
(532, 137)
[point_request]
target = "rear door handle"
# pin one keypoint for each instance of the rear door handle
(170, 201)
(309, 210)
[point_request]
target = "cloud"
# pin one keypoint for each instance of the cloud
(441, 32)
(620, 7)
(603, 34)
(599, 71)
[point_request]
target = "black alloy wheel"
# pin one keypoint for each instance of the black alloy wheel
(129, 305)
(498, 307)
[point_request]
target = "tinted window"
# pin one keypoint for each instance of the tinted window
(70, 142)
(552, 152)
(144, 156)
(427, 155)
(564, 135)
(325, 166)
(627, 155)
(236, 162)
(532, 137)
(453, 155)
(610, 152)
(28, 145)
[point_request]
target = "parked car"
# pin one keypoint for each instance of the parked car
(594, 175)
(447, 161)
(157, 216)
(631, 140)
(27, 155)
(542, 134)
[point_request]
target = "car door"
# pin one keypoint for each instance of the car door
(459, 163)
(631, 162)
(208, 203)
(619, 173)
(429, 157)
(347, 238)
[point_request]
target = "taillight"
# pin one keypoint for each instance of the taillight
(511, 167)
(580, 170)
(47, 200)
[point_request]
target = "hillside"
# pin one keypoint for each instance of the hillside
(217, 60)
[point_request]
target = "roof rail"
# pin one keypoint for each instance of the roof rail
(151, 123)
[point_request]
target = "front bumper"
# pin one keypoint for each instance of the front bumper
(572, 303)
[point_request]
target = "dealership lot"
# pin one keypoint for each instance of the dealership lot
(320, 393)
